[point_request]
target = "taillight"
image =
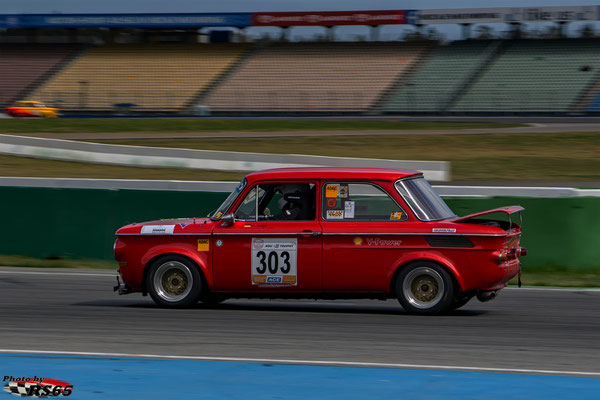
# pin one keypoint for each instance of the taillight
(512, 254)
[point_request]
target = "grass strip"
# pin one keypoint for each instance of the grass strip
(112, 125)
(569, 156)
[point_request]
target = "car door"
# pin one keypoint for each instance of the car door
(271, 247)
(362, 236)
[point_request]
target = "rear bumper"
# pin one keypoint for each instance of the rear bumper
(121, 287)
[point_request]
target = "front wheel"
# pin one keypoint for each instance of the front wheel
(174, 281)
(424, 287)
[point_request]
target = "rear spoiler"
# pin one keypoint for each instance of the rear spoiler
(507, 210)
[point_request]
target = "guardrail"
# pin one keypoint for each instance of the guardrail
(226, 186)
(66, 150)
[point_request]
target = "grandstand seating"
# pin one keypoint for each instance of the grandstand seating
(534, 75)
(160, 76)
(438, 78)
(301, 77)
(22, 65)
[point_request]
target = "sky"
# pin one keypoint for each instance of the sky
(162, 6)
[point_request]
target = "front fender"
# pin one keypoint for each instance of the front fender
(427, 256)
(201, 259)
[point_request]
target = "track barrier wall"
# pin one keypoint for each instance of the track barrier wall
(75, 223)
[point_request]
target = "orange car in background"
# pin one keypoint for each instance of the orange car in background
(31, 109)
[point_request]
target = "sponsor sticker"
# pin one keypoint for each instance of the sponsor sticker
(383, 242)
(203, 244)
(331, 203)
(157, 229)
(343, 191)
(274, 261)
(335, 214)
(358, 241)
(332, 190)
(443, 230)
(348, 209)
(396, 216)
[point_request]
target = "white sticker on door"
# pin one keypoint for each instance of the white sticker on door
(274, 261)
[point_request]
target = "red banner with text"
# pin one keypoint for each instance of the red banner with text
(328, 18)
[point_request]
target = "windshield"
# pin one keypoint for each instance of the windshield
(229, 200)
(423, 200)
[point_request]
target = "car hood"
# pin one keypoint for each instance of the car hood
(178, 226)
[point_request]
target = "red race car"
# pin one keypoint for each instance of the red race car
(324, 233)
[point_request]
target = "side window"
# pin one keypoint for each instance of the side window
(359, 202)
(247, 210)
(279, 202)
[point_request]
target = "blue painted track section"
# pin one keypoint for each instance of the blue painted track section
(145, 378)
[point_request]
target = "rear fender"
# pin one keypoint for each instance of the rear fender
(425, 256)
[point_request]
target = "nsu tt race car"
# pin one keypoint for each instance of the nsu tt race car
(324, 233)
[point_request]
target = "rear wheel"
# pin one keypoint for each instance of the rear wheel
(174, 281)
(424, 287)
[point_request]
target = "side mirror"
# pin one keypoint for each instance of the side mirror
(227, 220)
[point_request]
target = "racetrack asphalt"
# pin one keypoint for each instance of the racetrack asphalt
(73, 310)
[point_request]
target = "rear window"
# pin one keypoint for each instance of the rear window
(359, 202)
(423, 200)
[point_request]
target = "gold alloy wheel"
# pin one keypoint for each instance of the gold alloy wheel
(172, 281)
(423, 287)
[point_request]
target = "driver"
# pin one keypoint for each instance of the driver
(293, 202)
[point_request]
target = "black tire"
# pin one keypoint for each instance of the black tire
(174, 281)
(424, 287)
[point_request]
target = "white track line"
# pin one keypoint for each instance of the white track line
(55, 273)
(311, 362)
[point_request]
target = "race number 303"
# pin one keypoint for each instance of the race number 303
(274, 261)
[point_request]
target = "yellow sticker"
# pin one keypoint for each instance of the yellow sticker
(358, 241)
(331, 190)
(395, 216)
(203, 244)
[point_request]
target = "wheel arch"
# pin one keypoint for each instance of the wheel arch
(436, 258)
(201, 264)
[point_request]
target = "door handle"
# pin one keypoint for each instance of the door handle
(308, 233)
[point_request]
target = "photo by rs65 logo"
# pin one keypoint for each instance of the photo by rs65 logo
(36, 386)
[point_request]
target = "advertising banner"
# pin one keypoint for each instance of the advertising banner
(133, 20)
(9, 21)
(328, 18)
(556, 14)
(461, 16)
(501, 15)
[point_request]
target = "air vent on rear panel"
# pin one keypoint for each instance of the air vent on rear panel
(449, 241)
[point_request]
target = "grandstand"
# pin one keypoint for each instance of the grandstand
(301, 77)
(534, 76)
(440, 77)
(24, 66)
(153, 77)
(150, 64)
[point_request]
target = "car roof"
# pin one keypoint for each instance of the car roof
(345, 173)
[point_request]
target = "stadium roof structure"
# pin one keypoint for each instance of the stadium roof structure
(309, 18)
